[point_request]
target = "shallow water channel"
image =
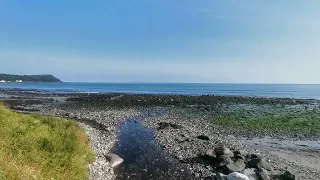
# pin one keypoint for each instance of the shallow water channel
(143, 157)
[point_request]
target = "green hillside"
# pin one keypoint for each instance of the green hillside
(29, 78)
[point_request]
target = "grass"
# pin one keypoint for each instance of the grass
(273, 119)
(41, 147)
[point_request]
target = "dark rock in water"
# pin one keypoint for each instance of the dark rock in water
(211, 153)
(237, 166)
(113, 159)
(165, 125)
(222, 150)
(259, 163)
(224, 160)
(287, 176)
(263, 174)
(251, 173)
(203, 137)
(220, 176)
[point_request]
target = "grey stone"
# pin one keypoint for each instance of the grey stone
(237, 176)
(287, 176)
(237, 166)
(113, 159)
(263, 174)
(259, 163)
(251, 173)
(220, 176)
(211, 153)
(224, 160)
(240, 152)
(252, 156)
(222, 150)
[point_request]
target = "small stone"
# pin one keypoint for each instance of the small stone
(211, 153)
(237, 176)
(113, 159)
(203, 137)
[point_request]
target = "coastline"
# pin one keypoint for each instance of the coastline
(190, 112)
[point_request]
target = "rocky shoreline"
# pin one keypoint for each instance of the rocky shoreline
(192, 139)
(183, 131)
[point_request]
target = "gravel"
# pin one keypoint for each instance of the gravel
(185, 145)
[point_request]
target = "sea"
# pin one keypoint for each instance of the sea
(304, 91)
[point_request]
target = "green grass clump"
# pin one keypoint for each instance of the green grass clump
(303, 122)
(42, 147)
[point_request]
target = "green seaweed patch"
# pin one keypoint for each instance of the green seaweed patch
(274, 120)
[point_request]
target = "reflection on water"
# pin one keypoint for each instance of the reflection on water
(143, 156)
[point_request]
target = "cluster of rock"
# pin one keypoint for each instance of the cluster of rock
(239, 165)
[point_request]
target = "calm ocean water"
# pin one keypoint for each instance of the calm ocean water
(264, 90)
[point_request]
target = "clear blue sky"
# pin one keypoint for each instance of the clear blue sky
(244, 41)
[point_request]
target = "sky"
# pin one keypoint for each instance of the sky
(211, 41)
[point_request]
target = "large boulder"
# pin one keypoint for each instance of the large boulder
(113, 159)
(260, 164)
(237, 176)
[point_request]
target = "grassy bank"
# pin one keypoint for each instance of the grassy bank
(41, 147)
(287, 119)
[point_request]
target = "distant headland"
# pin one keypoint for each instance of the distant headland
(28, 78)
